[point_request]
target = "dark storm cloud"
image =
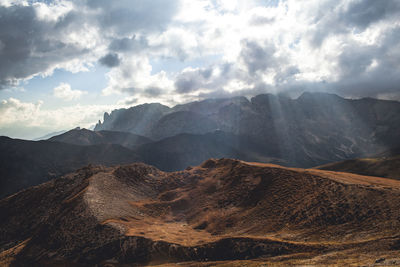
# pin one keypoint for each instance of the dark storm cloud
(362, 13)
(29, 46)
(110, 60)
(257, 57)
(357, 15)
(354, 61)
(193, 80)
(131, 101)
(371, 70)
(186, 84)
(152, 91)
(378, 73)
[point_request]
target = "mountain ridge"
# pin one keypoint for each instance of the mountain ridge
(314, 129)
(88, 137)
(25, 163)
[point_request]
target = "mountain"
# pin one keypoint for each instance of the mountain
(27, 163)
(229, 211)
(182, 122)
(314, 129)
(392, 152)
(49, 135)
(382, 167)
(183, 150)
(87, 137)
(137, 120)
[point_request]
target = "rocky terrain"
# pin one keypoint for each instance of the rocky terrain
(228, 212)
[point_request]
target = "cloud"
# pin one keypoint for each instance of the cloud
(29, 120)
(33, 44)
(126, 16)
(192, 79)
(64, 92)
(13, 110)
(38, 37)
(362, 14)
(110, 60)
(211, 48)
(257, 57)
(134, 77)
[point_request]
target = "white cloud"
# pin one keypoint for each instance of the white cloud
(13, 110)
(25, 116)
(64, 92)
(348, 47)
(307, 36)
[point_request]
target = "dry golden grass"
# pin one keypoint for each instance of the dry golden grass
(7, 256)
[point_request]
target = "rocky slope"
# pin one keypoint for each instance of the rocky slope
(223, 210)
(314, 129)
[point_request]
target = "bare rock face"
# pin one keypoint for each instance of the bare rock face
(137, 120)
(222, 210)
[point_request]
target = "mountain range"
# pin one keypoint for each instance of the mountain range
(312, 130)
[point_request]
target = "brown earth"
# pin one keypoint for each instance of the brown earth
(222, 213)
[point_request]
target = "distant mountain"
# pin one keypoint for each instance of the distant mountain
(182, 122)
(27, 163)
(183, 150)
(314, 129)
(388, 167)
(223, 210)
(87, 137)
(49, 135)
(137, 120)
(391, 152)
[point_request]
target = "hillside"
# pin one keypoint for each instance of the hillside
(27, 163)
(314, 129)
(224, 210)
(183, 150)
(87, 137)
(382, 167)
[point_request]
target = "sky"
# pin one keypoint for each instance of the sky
(64, 63)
